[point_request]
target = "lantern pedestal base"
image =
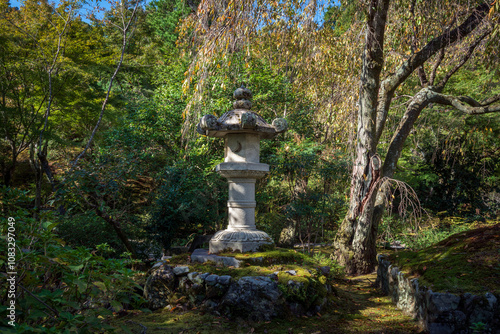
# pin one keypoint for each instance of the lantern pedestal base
(239, 240)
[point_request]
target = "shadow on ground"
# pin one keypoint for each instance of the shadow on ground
(359, 308)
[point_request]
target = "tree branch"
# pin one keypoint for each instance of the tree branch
(464, 59)
(436, 66)
(425, 96)
(105, 102)
(465, 104)
(390, 84)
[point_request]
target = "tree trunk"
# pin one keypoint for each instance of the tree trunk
(119, 232)
(356, 240)
(354, 243)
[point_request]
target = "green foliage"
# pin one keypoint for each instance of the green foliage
(164, 18)
(339, 17)
(478, 327)
(455, 167)
(189, 200)
(88, 230)
(417, 235)
(307, 185)
(62, 289)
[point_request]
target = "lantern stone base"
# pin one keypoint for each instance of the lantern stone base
(239, 240)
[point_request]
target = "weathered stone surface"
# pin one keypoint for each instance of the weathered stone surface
(442, 302)
(257, 298)
(201, 255)
(325, 270)
(191, 276)
(181, 270)
(438, 312)
(211, 279)
(159, 285)
(242, 240)
(224, 279)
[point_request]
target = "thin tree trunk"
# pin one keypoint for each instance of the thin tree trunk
(119, 232)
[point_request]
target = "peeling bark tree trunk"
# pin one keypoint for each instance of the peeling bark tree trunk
(355, 242)
(355, 248)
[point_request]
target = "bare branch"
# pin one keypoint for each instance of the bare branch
(124, 30)
(436, 66)
(464, 59)
(425, 96)
(49, 73)
(490, 100)
(390, 84)
(465, 104)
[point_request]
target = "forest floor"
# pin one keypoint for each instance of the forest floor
(361, 309)
(464, 262)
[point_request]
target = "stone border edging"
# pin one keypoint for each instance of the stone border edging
(439, 313)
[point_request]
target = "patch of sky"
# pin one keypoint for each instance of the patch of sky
(87, 7)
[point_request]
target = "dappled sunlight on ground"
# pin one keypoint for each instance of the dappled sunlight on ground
(360, 308)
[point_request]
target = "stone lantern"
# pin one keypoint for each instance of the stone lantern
(242, 130)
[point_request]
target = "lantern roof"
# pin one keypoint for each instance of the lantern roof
(241, 120)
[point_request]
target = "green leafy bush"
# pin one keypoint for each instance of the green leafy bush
(61, 289)
(189, 200)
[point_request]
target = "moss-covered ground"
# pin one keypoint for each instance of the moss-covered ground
(468, 261)
(260, 264)
(359, 308)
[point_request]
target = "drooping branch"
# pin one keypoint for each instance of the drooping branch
(390, 84)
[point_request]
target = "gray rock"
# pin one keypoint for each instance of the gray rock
(181, 270)
(325, 270)
(158, 264)
(492, 300)
(204, 276)
(291, 272)
(273, 276)
(438, 312)
(192, 276)
(439, 328)
(228, 261)
(210, 304)
(442, 302)
(255, 297)
(159, 285)
(224, 279)
(211, 279)
(202, 255)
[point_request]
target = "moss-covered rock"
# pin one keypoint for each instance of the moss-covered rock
(269, 284)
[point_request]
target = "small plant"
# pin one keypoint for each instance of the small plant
(478, 327)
